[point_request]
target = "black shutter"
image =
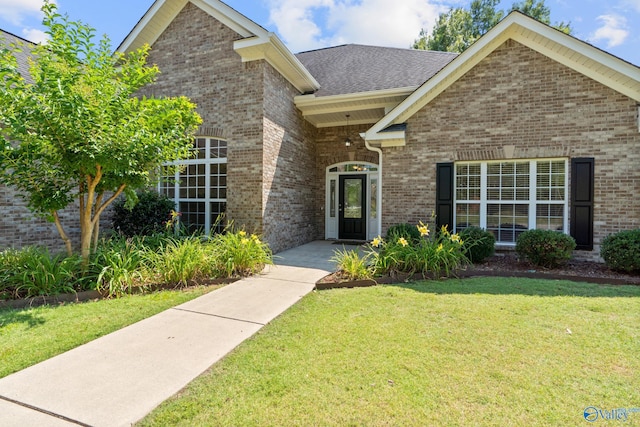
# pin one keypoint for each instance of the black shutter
(581, 219)
(444, 195)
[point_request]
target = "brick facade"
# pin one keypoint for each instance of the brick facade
(515, 104)
(519, 99)
(19, 227)
(271, 178)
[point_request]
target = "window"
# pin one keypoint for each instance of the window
(508, 198)
(200, 188)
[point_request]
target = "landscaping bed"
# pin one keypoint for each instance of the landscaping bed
(504, 264)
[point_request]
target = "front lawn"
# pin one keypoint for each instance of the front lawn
(485, 351)
(31, 335)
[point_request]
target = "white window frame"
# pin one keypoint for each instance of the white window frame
(532, 202)
(208, 161)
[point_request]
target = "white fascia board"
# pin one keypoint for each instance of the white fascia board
(512, 27)
(272, 50)
(163, 12)
(132, 42)
(338, 103)
(441, 80)
(231, 18)
(621, 76)
(388, 139)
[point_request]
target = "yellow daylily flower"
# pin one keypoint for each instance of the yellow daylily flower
(242, 233)
(423, 229)
(439, 248)
(403, 241)
(376, 242)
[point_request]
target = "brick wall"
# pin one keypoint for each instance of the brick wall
(19, 227)
(196, 59)
(289, 176)
(271, 175)
(517, 97)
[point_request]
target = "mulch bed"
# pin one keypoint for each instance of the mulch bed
(507, 265)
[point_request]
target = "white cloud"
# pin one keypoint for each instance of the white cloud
(35, 35)
(311, 24)
(15, 11)
(295, 22)
(635, 4)
(614, 30)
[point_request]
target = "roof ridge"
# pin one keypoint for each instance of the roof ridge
(17, 37)
(377, 47)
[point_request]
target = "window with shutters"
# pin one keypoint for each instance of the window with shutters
(510, 197)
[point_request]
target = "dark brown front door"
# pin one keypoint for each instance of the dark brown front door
(353, 209)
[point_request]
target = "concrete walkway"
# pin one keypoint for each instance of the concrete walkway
(117, 379)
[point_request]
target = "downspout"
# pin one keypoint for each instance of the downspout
(379, 189)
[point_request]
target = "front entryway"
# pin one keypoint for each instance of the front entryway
(352, 208)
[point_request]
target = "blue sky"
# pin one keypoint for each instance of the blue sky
(612, 25)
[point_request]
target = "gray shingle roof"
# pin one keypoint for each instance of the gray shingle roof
(8, 39)
(356, 68)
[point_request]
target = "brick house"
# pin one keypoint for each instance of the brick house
(528, 128)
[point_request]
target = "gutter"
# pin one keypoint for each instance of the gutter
(379, 189)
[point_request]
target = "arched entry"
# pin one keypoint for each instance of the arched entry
(351, 201)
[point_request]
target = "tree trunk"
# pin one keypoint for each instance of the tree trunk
(96, 225)
(86, 231)
(63, 234)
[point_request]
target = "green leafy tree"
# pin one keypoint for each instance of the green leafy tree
(459, 28)
(73, 129)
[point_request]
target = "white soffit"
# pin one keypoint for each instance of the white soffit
(270, 48)
(363, 108)
(567, 50)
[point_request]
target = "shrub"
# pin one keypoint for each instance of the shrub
(478, 244)
(179, 261)
(33, 271)
(437, 256)
(545, 248)
(621, 251)
(352, 265)
(238, 254)
(407, 231)
(115, 267)
(146, 217)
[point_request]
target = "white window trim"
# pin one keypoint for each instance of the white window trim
(331, 223)
(532, 202)
(208, 161)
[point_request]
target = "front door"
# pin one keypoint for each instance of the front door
(352, 208)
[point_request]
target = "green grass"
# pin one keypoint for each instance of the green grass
(31, 335)
(485, 351)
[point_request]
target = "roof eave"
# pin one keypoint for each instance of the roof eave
(387, 139)
(615, 73)
(163, 12)
(271, 49)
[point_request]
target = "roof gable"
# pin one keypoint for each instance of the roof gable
(567, 50)
(257, 42)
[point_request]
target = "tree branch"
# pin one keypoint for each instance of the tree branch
(63, 234)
